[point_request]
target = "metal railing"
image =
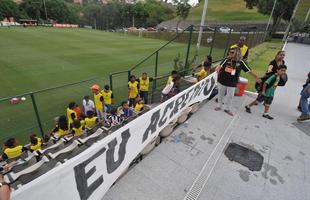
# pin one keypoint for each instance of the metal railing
(179, 53)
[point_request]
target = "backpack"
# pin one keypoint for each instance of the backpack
(259, 86)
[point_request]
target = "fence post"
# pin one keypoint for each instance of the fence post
(257, 35)
(251, 41)
(111, 81)
(213, 39)
(129, 74)
(37, 114)
(227, 43)
(188, 46)
(155, 75)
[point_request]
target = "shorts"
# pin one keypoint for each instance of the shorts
(262, 98)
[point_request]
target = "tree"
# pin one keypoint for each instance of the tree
(33, 8)
(8, 8)
(250, 4)
(183, 8)
(283, 10)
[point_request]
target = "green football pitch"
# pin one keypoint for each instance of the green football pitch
(32, 59)
(36, 58)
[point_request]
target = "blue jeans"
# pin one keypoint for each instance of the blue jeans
(144, 96)
(305, 106)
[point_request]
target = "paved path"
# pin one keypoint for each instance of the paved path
(196, 148)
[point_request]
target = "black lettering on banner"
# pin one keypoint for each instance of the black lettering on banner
(163, 118)
(207, 91)
(177, 103)
(186, 98)
(152, 126)
(112, 165)
(202, 86)
(81, 177)
(196, 90)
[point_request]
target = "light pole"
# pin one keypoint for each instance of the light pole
(45, 10)
(270, 17)
(307, 16)
(289, 24)
(202, 22)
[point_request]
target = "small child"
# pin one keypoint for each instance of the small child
(35, 143)
(174, 74)
(133, 90)
(62, 127)
(12, 149)
(171, 89)
(139, 105)
(113, 118)
(268, 91)
(126, 110)
(108, 98)
(78, 128)
(91, 120)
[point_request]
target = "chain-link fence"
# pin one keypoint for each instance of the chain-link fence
(37, 113)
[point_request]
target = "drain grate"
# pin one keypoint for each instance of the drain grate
(244, 156)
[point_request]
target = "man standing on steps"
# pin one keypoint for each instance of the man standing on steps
(304, 103)
(244, 48)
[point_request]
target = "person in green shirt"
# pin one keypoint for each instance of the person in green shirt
(268, 91)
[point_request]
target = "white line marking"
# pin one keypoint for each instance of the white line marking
(197, 186)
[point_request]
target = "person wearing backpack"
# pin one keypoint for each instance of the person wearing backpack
(268, 90)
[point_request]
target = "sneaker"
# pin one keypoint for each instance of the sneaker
(248, 109)
(303, 117)
(267, 116)
(228, 112)
(218, 109)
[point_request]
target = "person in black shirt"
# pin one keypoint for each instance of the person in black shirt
(276, 62)
(228, 76)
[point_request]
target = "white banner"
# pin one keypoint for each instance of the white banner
(90, 174)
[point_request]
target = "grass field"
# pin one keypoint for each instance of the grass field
(302, 10)
(227, 11)
(37, 58)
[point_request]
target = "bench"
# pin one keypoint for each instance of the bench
(11, 177)
(94, 135)
(68, 149)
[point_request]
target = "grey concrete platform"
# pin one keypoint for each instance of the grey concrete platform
(196, 147)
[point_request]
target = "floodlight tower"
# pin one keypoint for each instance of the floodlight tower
(270, 17)
(291, 20)
(202, 22)
(45, 10)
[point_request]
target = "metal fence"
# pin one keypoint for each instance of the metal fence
(37, 113)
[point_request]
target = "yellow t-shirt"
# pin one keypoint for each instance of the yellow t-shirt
(107, 96)
(144, 84)
(78, 131)
(170, 79)
(133, 89)
(37, 146)
(202, 74)
(98, 103)
(243, 49)
(138, 106)
(14, 152)
(90, 122)
(69, 112)
(61, 132)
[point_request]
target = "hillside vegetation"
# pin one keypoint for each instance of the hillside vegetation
(227, 11)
